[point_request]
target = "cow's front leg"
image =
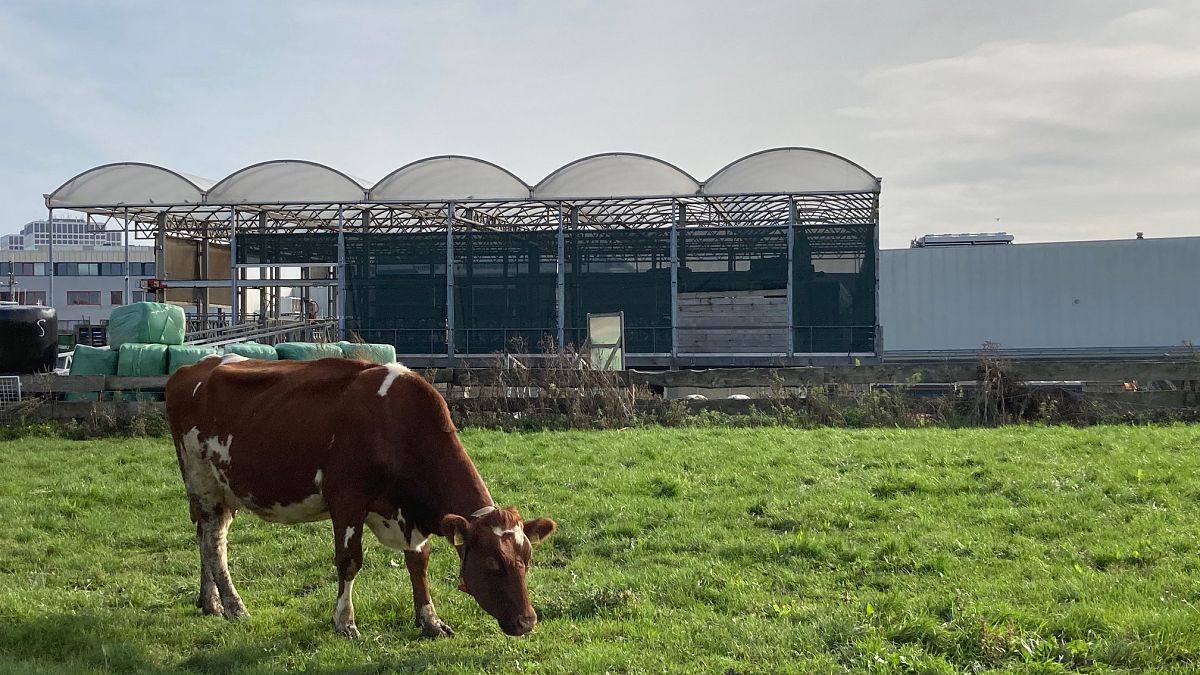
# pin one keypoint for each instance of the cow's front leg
(348, 559)
(427, 618)
(209, 600)
(214, 529)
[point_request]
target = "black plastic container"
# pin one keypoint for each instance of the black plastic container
(28, 339)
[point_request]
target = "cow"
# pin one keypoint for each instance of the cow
(358, 444)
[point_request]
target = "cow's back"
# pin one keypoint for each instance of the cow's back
(269, 430)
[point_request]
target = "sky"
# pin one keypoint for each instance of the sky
(1049, 119)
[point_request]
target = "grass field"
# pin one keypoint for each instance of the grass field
(1024, 549)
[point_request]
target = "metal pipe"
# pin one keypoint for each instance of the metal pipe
(450, 280)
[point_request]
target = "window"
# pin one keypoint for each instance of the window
(35, 297)
(115, 298)
(28, 269)
(83, 298)
(139, 296)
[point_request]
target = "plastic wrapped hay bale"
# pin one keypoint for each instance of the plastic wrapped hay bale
(146, 323)
(141, 360)
(185, 355)
(368, 352)
(91, 361)
(252, 350)
(307, 351)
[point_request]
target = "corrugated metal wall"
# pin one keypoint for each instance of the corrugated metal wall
(1102, 295)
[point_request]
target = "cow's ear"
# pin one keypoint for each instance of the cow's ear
(538, 529)
(454, 528)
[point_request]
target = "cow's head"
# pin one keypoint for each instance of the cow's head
(494, 548)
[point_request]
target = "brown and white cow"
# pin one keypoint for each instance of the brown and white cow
(355, 443)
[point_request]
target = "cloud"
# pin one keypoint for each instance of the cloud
(1091, 138)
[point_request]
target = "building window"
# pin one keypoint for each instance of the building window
(116, 299)
(83, 298)
(139, 296)
(35, 297)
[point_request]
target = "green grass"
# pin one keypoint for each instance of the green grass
(1022, 549)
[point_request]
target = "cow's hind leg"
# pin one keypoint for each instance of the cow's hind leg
(214, 527)
(427, 618)
(209, 600)
(347, 546)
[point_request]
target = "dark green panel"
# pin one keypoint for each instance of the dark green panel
(282, 249)
(833, 294)
(397, 290)
(505, 287)
(621, 271)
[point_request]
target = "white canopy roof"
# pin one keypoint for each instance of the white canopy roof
(616, 174)
(128, 183)
(285, 181)
(449, 178)
(791, 170)
(455, 178)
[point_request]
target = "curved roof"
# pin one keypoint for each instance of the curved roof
(787, 170)
(286, 181)
(128, 183)
(449, 177)
(616, 174)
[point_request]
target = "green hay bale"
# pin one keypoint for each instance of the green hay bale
(92, 361)
(252, 350)
(146, 323)
(185, 355)
(307, 351)
(373, 353)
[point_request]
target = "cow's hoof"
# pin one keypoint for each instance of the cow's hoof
(436, 629)
(349, 630)
(236, 612)
(210, 605)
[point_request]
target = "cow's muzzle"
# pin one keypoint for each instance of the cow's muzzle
(521, 625)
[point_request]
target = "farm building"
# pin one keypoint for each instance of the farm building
(772, 260)
(1124, 298)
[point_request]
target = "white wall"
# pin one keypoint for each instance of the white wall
(1072, 295)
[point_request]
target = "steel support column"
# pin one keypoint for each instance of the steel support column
(50, 255)
(125, 299)
(561, 277)
(341, 275)
(450, 281)
(234, 270)
(791, 297)
(676, 209)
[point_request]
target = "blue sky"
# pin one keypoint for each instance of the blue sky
(1065, 119)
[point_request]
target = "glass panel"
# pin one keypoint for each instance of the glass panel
(833, 300)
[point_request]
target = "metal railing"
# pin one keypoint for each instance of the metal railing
(274, 332)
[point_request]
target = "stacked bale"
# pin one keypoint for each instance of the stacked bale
(92, 361)
(307, 351)
(143, 333)
(374, 353)
(253, 350)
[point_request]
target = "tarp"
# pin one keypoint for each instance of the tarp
(185, 355)
(368, 352)
(307, 351)
(146, 323)
(92, 361)
(252, 350)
